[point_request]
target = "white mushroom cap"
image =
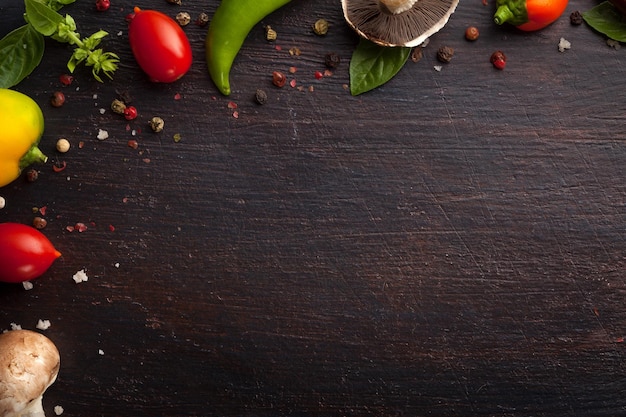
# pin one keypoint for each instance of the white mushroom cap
(29, 364)
(397, 22)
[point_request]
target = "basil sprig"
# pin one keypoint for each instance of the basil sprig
(373, 65)
(606, 19)
(22, 49)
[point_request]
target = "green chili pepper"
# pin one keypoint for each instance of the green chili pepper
(230, 25)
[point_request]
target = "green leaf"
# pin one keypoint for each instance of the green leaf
(20, 52)
(373, 65)
(606, 19)
(43, 18)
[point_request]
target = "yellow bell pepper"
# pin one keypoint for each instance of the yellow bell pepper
(21, 127)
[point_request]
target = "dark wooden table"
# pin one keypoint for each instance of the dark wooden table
(451, 244)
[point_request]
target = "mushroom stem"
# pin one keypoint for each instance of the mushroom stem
(34, 409)
(398, 6)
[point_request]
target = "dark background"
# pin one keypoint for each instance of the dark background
(450, 244)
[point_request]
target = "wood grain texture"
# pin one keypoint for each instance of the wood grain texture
(450, 244)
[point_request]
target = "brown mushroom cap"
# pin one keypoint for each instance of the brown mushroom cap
(374, 20)
(29, 364)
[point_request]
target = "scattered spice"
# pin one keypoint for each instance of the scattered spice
(295, 51)
(63, 145)
(498, 60)
(292, 70)
(613, 43)
(278, 79)
(445, 54)
(318, 75)
(133, 144)
(292, 83)
(183, 18)
(176, 2)
(471, 33)
(156, 124)
(417, 54)
(320, 27)
(39, 222)
(260, 96)
(177, 137)
(32, 175)
(103, 5)
(332, 60)
(57, 99)
(576, 18)
(118, 106)
(130, 113)
(66, 79)
(270, 34)
(203, 19)
(59, 166)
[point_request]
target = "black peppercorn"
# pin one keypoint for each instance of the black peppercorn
(260, 96)
(332, 60)
(444, 54)
(576, 18)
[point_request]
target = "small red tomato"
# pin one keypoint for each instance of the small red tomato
(159, 45)
(25, 253)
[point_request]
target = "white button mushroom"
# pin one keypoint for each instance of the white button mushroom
(397, 22)
(29, 364)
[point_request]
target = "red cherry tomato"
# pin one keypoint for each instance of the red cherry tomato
(159, 45)
(25, 253)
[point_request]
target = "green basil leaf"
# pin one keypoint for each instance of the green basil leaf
(20, 52)
(43, 18)
(373, 65)
(606, 19)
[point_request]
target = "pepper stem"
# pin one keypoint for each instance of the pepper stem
(503, 14)
(33, 155)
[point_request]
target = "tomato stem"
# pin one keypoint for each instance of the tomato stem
(33, 155)
(503, 13)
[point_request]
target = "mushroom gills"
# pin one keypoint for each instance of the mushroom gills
(375, 19)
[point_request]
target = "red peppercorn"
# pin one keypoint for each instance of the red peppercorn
(499, 64)
(498, 59)
(57, 99)
(66, 79)
(471, 33)
(318, 75)
(278, 78)
(103, 5)
(130, 113)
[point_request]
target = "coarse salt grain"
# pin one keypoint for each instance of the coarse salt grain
(15, 326)
(58, 410)
(100, 352)
(564, 44)
(43, 324)
(3, 202)
(102, 134)
(80, 276)
(27, 285)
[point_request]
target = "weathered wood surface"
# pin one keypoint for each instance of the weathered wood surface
(451, 244)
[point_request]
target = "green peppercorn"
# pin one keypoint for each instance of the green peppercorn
(320, 27)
